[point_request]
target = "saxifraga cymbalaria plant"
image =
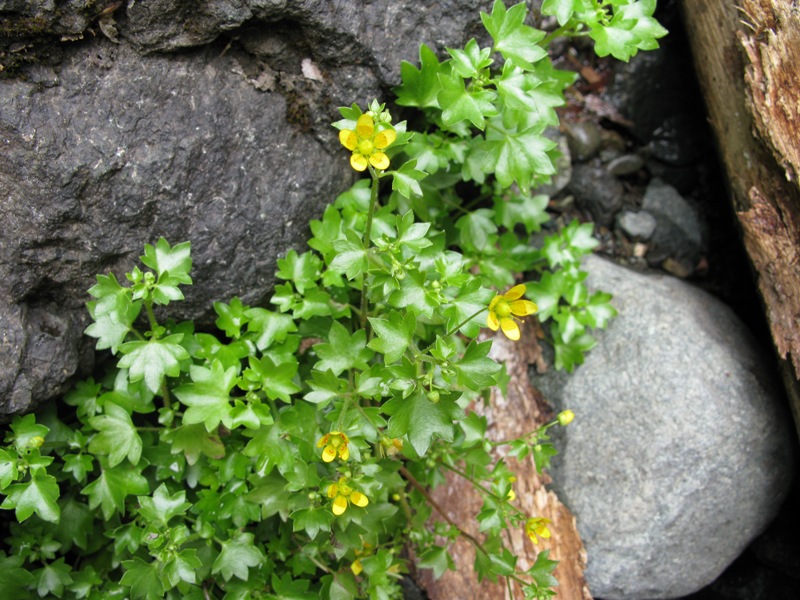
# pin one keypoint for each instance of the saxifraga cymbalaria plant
(291, 454)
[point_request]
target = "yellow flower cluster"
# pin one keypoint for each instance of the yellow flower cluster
(343, 495)
(333, 444)
(537, 526)
(504, 308)
(368, 143)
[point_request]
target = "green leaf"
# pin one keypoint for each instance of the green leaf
(8, 468)
(405, 180)
(475, 370)
(232, 317)
(517, 156)
(542, 453)
(471, 299)
(111, 329)
(75, 525)
(193, 441)
(512, 38)
(521, 209)
(351, 255)
(112, 487)
(477, 230)
(570, 354)
(38, 495)
(275, 380)
(153, 360)
(421, 419)
(14, 580)
(312, 521)
(270, 327)
(143, 579)
(459, 105)
(470, 61)
(111, 296)
(325, 386)
(237, 556)
(208, 396)
(438, 559)
(395, 334)
(421, 86)
(53, 578)
(182, 566)
(175, 260)
(542, 570)
(562, 10)
(117, 437)
(162, 506)
(526, 92)
(28, 433)
(631, 29)
(288, 588)
(415, 292)
(302, 270)
(599, 310)
(343, 351)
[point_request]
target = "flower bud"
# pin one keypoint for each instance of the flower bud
(565, 417)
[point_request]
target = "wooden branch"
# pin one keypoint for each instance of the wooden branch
(748, 64)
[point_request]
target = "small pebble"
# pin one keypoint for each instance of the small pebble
(584, 139)
(636, 225)
(627, 164)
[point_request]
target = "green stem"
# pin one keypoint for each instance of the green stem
(373, 201)
(480, 488)
(151, 316)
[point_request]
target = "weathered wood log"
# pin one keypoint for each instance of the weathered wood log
(748, 64)
(521, 411)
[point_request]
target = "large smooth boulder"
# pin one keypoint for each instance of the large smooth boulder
(681, 450)
(207, 124)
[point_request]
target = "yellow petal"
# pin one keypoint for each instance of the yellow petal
(510, 328)
(323, 441)
(329, 453)
(515, 292)
(379, 160)
(523, 308)
(359, 499)
(359, 162)
(339, 505)
(365, 126)
(385, 138)
(492, 322)
(348, 138)
(332, 490)
(344, 453)
(494, 302)
(543, 532)
(356, 567)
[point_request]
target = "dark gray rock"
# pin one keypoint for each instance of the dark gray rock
(637, 226)
(681, 451)
(227, 145)
(597, 191)
(679, 233)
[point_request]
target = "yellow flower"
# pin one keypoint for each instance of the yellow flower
(503, 309)
(367, 144)
(565, 417)
(335, 443)
(343, 495)
(537, 526)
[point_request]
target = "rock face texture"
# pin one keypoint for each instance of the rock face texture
(205, 122)
(677, 462)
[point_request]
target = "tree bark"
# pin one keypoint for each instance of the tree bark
(520, 411)
(747, 57)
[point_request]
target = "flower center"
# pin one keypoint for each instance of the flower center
(503, 309)
(365, 147)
